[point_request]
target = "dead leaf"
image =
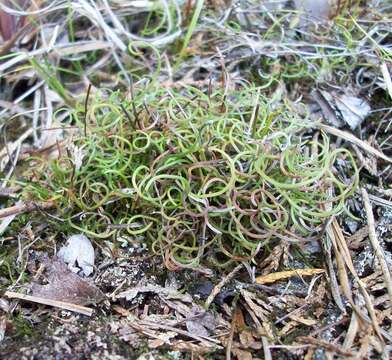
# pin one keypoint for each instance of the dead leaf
(353, 109)
(281, 275)
(248, 341)
(196, 328)
(78, 253)
(64, 285)
(239, 320)
(199, 322)
(271, 263)
(344, 108)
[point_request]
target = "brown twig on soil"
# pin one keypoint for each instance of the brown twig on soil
(26, 207)
(59, 304)
(376, 244)
(216, 290)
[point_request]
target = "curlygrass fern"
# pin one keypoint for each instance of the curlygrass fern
(192, 174)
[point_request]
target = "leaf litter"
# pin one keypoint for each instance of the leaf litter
(64, 285)
(78, 253)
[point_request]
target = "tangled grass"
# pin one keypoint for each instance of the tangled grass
(209, 176)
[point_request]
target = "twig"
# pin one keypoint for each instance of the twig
(266, 348)
(353, 139)
(231, 334)
(59, 304)
(351, 332)
(327, 346)
(26, 207)
(6, 46)
(327, 248)
(216, 290)
(376, 244)
(203, 339)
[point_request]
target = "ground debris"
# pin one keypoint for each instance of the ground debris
(78, 252)
(272, 277)
(166, 292)
(64, 285)
(341, 109)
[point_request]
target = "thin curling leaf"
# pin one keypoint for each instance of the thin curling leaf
(199, 187)
(78, 253)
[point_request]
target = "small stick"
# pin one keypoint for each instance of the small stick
(201, 338)
(216, 290)
(59, 304)
(354, 140)
(231, 334)
(26, 207)
(376, 244)
(266, 348)
(324, 344)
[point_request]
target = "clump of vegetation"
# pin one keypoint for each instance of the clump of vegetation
(198, 175)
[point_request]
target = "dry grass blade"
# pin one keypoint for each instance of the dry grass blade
(323, 344)
(387, 78)
(351, 332)
(206, 340)
(281, 275)
(343, 254)
(59, 304)
(334, 286)
(9, 148)
(353, 139)
(221, 284)
(376, 244)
